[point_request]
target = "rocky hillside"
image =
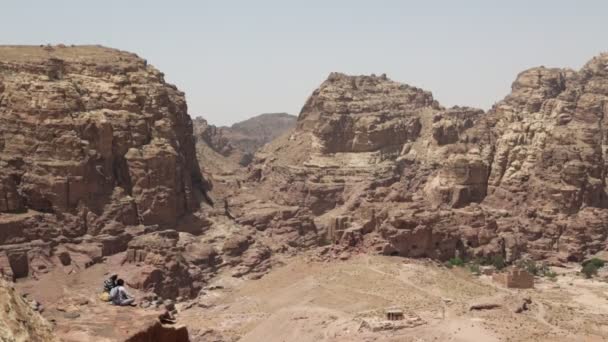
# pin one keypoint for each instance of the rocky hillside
(98, 161)
(224, 151)
(240, 141)
(99, 172)
(18, 321)
(253, 133)
(87, 138)
(95, 150)
(383, 166)
(246, 136)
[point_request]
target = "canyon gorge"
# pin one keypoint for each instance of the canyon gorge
(103, 170)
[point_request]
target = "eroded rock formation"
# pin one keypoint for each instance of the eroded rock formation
(96, 134)
(383, 165)
(98, 158)
(93, 144)
(246, 136)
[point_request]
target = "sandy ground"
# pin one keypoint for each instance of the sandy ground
(70, 301)
(307, 300)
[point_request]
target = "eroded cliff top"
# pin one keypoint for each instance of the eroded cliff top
(22, 54)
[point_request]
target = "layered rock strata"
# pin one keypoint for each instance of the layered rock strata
(383, 165)
(94, 147)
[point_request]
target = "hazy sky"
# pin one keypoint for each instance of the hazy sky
(235, 59)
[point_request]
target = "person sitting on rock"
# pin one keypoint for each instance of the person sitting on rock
(120, 296)
(110, 283)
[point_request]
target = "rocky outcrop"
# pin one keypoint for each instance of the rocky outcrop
(18, 321)
(383, 165)
(173, 264)
(91, 140)
(246, 136)
(97, 158)
(161, 333)
(548, 164)
(364, 114)
(110, 123)
(252, 134)
(212, 136)
(225, 150)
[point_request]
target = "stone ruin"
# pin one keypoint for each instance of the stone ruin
(515, 278)
(394, 315)
(395, 319)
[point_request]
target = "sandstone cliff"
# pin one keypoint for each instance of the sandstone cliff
(382, 165)
(92, 141)
(95, 134)
(98, 162)
(224, 151)
(98, 159)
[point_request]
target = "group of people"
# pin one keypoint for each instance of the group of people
(116, 292)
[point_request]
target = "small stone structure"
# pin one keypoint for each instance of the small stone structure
(395, 319)
(394, 315)
(515, 278)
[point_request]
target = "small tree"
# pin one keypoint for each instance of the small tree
(529, 265)
(589, 270)
(498, 262)
(598, 263)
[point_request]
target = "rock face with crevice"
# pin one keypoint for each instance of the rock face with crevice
(549, 159)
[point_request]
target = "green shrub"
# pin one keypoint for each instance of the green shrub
(591, 266)
(456, 261)
(589, 270)
(498, 262)
(529, 265)
(598, 263)
(541, 270)
(551, 275)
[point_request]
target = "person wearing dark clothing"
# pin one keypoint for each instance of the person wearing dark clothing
(110, 283)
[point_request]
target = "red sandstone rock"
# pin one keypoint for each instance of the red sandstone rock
(116, 142)
(524, 178)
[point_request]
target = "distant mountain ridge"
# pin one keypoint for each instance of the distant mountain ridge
(251, 134)
(246, 136)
